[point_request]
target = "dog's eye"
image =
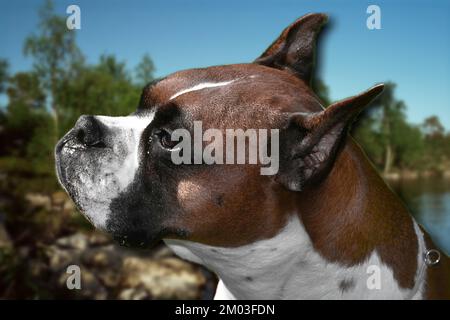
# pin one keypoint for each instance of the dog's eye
(165, 139)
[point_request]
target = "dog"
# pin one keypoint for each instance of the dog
(325, 226)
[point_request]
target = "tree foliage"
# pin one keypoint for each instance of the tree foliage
(45, 102)
(145, 70)
(3, 74)
(100, 89)
(391, 142)
(55, 56)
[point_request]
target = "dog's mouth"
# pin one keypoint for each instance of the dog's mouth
(132, 241)
(69, 150)
(137, 239)
(142, 238)
(64, 149)
(60, 173)
(82, 173)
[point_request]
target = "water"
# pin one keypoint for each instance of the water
(429, 202)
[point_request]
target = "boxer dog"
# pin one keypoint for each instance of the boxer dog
(325, 226)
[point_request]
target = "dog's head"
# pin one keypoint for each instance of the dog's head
(121, 174)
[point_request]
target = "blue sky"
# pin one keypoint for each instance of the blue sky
(412, 48)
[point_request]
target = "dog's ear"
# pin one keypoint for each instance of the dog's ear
(294, 49)
(311, 141)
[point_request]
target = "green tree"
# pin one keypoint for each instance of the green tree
(366, 132)
(25, 112)
(389, 140)
(25, 136)
(145, 70)
(3, 75)
(391, 112)
(322, 91)
(24, 88)
(104, 88)
(3, 80)
(437, 143)
(55, 54)
(108, 64)
(432, 127)
(408, 145)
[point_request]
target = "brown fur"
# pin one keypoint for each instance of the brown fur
(348, 214)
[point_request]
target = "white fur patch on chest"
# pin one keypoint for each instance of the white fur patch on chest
(287, 267)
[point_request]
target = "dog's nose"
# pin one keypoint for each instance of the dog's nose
(88, 132)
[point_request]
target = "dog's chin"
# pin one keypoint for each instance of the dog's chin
(142, 238)
(91, 188)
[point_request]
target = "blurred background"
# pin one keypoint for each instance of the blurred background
(50, 75)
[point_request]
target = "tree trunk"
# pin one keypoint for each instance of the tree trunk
(56, 124)
(387, 133)
(55, 110)
(388, 159)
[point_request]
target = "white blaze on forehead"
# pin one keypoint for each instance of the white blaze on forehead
(118, 171)
(200, 86)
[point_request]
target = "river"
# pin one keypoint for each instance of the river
(429, 202)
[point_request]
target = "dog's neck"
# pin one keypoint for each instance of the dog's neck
(340, 230)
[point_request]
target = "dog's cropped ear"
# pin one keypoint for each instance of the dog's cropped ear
(295, 47)
(311, 141)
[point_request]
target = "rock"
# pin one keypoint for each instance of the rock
(37, 200)
(59, 258)
(162, 251)
(58, 198)
(37, 268)
(77, 241)
(134, 294)
(110, 278)
(168, 278)
(392, 176)
(446, 174)
(428, 174)
(91, 288)
(112, 272)
(5, 240)
(57, 202)
(409, 175)
(102, 257)
(99, 239)
(61, 202)
(23, 252)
